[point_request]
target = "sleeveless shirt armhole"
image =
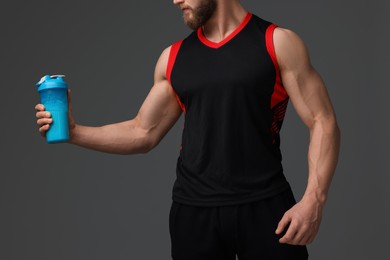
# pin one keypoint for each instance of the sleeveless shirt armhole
(269, 40)
(171, 61)
(279, 93)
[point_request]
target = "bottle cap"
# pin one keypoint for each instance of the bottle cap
(53, 81)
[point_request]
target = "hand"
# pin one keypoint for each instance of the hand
(303, 221)
(44, 119)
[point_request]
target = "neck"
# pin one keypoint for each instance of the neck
(226, 18)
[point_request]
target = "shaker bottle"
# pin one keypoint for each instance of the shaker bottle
(53, 92)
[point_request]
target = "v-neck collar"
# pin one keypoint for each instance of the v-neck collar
(216, 45)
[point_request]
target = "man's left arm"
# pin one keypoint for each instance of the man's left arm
(311, 101)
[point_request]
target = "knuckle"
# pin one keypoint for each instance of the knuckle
(295, 216)
(39, 107)
(298, 238)
(284, 219)
(41, 114)
(293, 225)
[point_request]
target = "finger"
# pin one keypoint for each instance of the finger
(40, 107)
(301, 238)
(303, 235)
(43, 130)
(44, 121)
(290, 234)
(304, 241)
(311, 236)
(286, 219)
(43, 114)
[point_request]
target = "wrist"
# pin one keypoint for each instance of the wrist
(72, 133)
(318, 197)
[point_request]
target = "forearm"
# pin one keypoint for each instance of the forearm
(322, 158)
(120, 138)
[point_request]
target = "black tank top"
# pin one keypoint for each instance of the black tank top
(234, 104)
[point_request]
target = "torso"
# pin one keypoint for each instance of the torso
(234, 106)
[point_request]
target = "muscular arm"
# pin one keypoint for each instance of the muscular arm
(157, 115)
(311, 101)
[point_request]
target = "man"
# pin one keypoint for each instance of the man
(232, 77)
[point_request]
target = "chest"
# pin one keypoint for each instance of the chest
(242, 67)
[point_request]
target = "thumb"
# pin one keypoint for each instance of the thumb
(70, 112)
(286, 219)
(69, 99)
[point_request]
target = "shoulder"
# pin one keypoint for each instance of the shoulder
(164, 56)
(165, 59)
(286, 37)
(289, 47)
(162, 63)
(169, 51)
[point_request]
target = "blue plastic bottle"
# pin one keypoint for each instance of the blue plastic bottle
(53, 92)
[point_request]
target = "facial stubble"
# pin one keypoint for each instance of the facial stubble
(200, 14)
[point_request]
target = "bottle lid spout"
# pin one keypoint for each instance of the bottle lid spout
(53, 81)
(48, 77)
(57, 76)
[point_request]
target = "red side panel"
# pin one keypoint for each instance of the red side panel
(279, 93)
(171, 61)
(279, 98)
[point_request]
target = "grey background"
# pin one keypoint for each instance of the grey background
(65, 202)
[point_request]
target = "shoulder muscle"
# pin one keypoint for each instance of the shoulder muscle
(161, 66)
(290, 50)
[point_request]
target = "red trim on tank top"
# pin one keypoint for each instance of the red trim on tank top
(279, 98)
(171, 61)
(216, 45)
(279, 93)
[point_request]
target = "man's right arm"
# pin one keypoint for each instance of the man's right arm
(158, 113)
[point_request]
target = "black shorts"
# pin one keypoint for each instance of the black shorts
(221, 233)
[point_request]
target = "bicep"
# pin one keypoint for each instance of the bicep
(160, 110)
(308, 95)
(302, 82)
